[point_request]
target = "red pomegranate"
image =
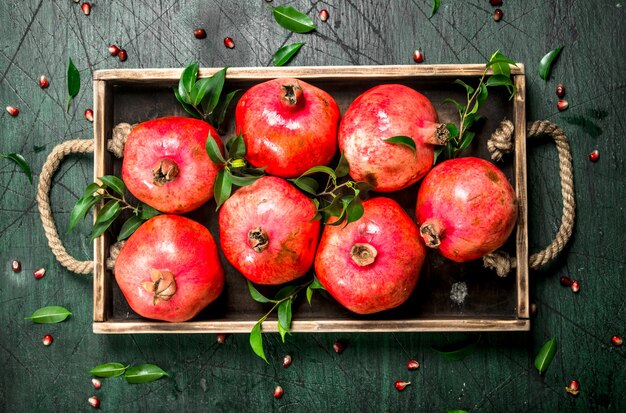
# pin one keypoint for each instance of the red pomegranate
(267, 231)
(466, 207)
(166, 165)
(169, 269)
(372, 264)
(383, 112)
(288, 125)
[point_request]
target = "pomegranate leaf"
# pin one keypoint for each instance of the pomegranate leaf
(19, 161)
(285, 53)
(499, 80)
(545, 356)
(454, 131)
(49, 315)
(186, 82)
(315, 285)
(129, 227)
(468, 137)
(91, 189)
(108, 370)
(457, 411)
(222, 189)
(459, 350)
(354, 210)
(73, 83)
(256, 340)
(293, 20)
(213, 90)
(436, 4)
(468, 89)
(236, 147)
(257, 296)
(483, 94)
(214, 151)
(282, 332)
(343, 167)
(108, 211)
(459, 107)
(114, 183)
(219, 113)
(307, 184)
(545, 65)
(188, 108)
(242, 180)
(501, 64)
(83, 205)
(402, 140)
(286, 292)
(144, 373)
(147, 211)
(322, 169)
(284, 315)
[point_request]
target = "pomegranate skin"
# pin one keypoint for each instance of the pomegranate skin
(178, 245)
(467, 206)
(288, 137)
(386, 282)
(173, 139)
(276, 209)
(380, 113)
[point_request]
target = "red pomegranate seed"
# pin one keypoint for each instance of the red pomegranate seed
(199, 33)
(39, 273)
(89, 115)
(229, 42)
(495, 2)
(287, 361)
(221, 338)
(94, 402)
(86, 7)
(562, 104)
(617, 341)
(497, 15)
(594, 156)
(560, 90)
(13, 111)
(413, 365)
(566, 281)
(278, 392)
(44, 82)
(96, 383)
(114, 50)
(324, 15)
(533, 310)
(418, 56)
(47, 340)
(401, 385)
(575, 286)
(339, 346)
(573, 387)
(16, 266)
(122, 55)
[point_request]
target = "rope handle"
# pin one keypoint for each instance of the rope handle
(501, 142)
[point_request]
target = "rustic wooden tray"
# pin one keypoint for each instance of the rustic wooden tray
(492, 303)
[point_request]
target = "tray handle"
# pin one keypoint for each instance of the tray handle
(500, 261)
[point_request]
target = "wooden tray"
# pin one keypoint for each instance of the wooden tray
(492, 303)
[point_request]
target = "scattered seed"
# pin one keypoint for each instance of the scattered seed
(86, 7)
(401, 385)
(13, 111)
(413, 365)
(94, 402)
(76, 1)
(573, 387)
(16, 266)
(89, 115)
(44, 82)
(278, 392)
(565, 281)
(497, 15)
(39, 273)
(533, 310)
(562, 104)
(495, 2)
(287, 361)
(114, 50)
(221, 338)
(339, 346)
(594, 156)
(229, 42)
(324, 15)
(560, 90)
(199, 33)
(47, 340)
(122, 55)
(575, 286)
(418, 56)
(96, 383)
(617, 341)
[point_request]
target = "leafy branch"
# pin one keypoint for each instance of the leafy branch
(142, 373)
(112, 191)
(460, 135)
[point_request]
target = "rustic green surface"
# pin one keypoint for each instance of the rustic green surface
(36, 37)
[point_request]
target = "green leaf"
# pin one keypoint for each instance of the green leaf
(457, 411)
(322, 169)
(73, 82)
(307, 184)
(499, 80)
(343, 167)
(108, 211)
(188, 108)
(342, 216)
(186, 83)
(242, 180)
(282, 331)
(285, 53)
(468, 89)
(114, 183)
(459, 350)
(236, 147)
(147, 211)
(81, 208)
(21, 162)
(468, 136)
(402, 140)
(256, 340)
(222, 189)
(483, 94)
(293, 20)
(213, 92)
(285, 292)
(284, 314)
(213, 150)
(545, 65)
(354, 210)
(108, 370)
(49, 315)
(219, 113)
(438, 152)
(129, 227)
(309, 294)
(436, 4)
(545, 356)
(498, 57)
(459, 107)
(144, 373)
(91, 189)
(470, 119)
(257, 296)
(453, 129)
(316, 284)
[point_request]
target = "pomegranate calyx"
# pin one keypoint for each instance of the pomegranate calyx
(291, 95)
(363, 254)
(430, 235)
(163, 285)
(441, 135)
(258, 239)
(165, 171)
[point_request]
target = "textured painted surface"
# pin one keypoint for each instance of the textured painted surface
(36, 37)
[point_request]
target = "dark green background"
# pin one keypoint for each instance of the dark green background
(36, 37)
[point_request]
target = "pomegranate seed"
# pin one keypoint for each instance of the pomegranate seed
(495, 2)
(324, 15)
(401, 385)
(76, 1)
(199, 33)
(617, 341)
(221, 338)
(89, 115)
(39, 273)
(44, 82)
(573, 387)
(86, 7)
(413, 365)
(229, 42)
(122, 55)
(339, 346)
(497, 15)
(566, 281)
(94, 402)
(47, 340)
(13, 111)
(16, 266)
(114, 50)
(287, 361)
(575, 286)
(418, 56)
(533, 310)
(594, 156)
(278, 392)
(562, 104)
(96, 383)
(560, 90)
